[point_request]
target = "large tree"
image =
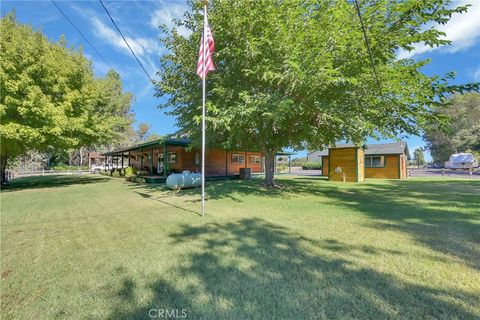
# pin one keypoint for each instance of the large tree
(296, 74)
(49, 97)
(461, 131)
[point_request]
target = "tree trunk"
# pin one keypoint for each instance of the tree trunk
(3, 169)
(81, 156)
(269, 168)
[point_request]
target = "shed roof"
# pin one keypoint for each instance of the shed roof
(374, 149)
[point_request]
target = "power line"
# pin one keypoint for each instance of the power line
(125, 40)
(83, 36)
(367, 44)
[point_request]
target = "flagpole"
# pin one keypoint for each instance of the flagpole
(204, 37)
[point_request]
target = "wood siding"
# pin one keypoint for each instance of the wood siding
(325, 166)
(389, 171)
(361, 165)
(347, 160)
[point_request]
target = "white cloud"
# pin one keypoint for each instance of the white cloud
(141, 46)
(165, 16)
(462, 29)
(476, 75)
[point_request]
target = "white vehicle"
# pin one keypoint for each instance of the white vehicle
(102, 167)
(461, 161)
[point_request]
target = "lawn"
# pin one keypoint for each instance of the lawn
(94, 247)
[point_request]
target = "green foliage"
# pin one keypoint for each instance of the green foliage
(129, 171)
(297, 74)
(418, 157)
(50, 97)
(311, 166)
(461, 132)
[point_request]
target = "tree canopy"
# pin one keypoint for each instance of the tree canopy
(49, 97)
(461, 131)
(418, 157)
(298, 74)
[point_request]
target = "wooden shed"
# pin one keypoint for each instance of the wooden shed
(386, 161)
(346, 164)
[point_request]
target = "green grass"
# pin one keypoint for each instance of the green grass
(94, 247)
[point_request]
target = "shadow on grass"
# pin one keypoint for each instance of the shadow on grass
(51, 181)
(253, 269)
(441, 214)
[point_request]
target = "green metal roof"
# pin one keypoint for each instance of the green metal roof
(160, 142)
(183, 142)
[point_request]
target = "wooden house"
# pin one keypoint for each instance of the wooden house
(164, 156)
(350, 163)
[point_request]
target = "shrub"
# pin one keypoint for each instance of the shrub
(129, 171)
(311, 166)
(134, 178)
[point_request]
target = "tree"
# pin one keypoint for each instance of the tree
(298, 74)
(461, 132)
(50, 98)
(143, 131)
(419, 157)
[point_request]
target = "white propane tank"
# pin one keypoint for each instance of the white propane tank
(184, 180)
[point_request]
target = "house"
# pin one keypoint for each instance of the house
(347, 162)
(173, 155)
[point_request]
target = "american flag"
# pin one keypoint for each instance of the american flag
(206, 55)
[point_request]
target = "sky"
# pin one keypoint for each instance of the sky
(139, 21)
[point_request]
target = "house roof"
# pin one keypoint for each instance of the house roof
(168, 141)
(183, 142)
(374, 149)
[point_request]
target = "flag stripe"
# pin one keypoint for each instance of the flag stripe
(205, 55)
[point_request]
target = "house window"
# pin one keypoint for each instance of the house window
(171, 157)
(238, 158)
(197, 158)
(374, 161)
(255, 159)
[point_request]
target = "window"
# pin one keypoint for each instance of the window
(374, 161)
(255, 159)
(197, 158)
(238, 158)
(171, 157)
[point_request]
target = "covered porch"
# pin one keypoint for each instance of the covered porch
(157, 158)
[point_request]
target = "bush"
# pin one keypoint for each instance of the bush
(129, 171)
(135, 178)
(142, 173)
(311, 166)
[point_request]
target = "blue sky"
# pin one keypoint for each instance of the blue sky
(139, 22)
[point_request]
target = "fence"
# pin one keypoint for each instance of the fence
(18, 174)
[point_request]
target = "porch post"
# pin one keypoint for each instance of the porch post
(226, 164)
(151, 161)
(129, 158)
(122, 160)
(165, 160)
(116, 162)
(141, 160)
(105, 163)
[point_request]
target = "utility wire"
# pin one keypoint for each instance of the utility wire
(367, 44)
(125, 40)
(83, 36)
